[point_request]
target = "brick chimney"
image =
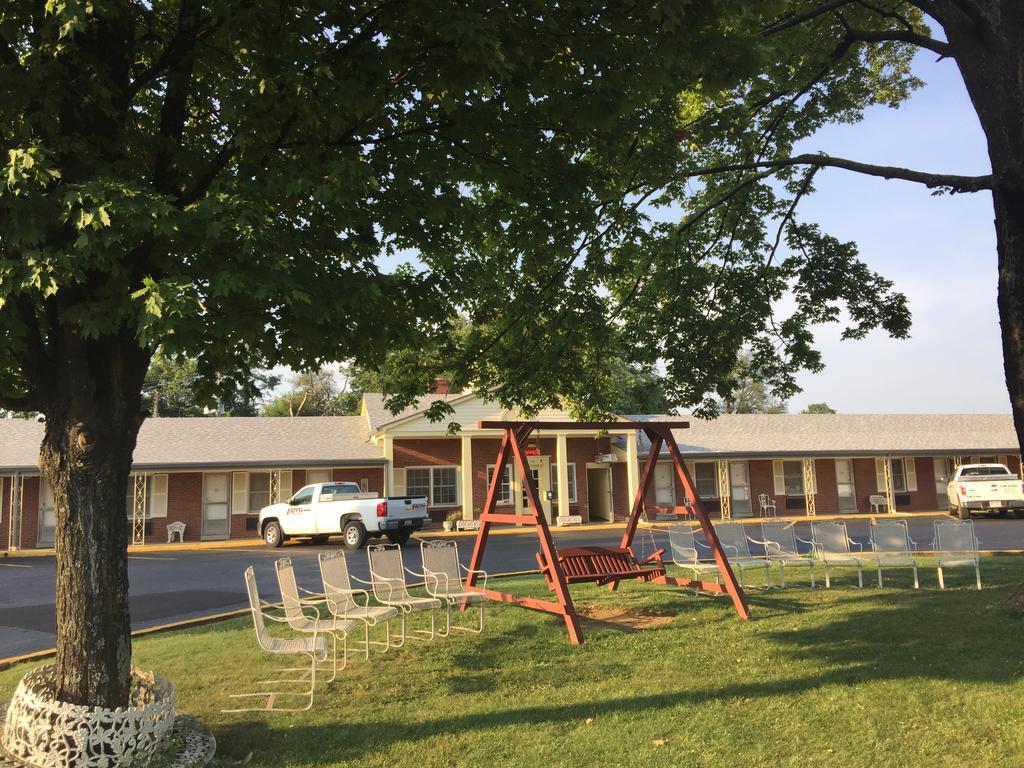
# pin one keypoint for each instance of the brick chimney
(441, 386)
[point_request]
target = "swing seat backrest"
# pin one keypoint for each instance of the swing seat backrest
(603, 565)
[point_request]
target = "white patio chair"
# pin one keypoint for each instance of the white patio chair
(780, 546)
(387, 580)
(892, 545)
(956, 546)
(442, 573)
(733, 537)
(878, 501)
(683, 548)
(342, 603)
(767, 505)
(832, 547)
(314, 647)
(299, 620)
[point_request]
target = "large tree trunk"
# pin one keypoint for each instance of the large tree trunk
(989, 51)
(93, 416)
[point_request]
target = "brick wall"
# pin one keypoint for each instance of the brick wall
(826, 501)
(5, 510)
(422, 453)
(373, 475)
(298, 480)
(185, 503)
(30, 512)
(620, 491)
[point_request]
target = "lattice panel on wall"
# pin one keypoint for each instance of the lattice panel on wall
(139, 510)
(810, 486)
(724, 491)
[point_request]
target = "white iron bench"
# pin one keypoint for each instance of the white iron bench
(467, 525)
(569, 520)
(877, 502)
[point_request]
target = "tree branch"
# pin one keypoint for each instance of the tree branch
(944, 181)
(900, 36)
(792, 21)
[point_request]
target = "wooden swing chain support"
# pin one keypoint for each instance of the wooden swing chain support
(735, 591)
(512, 441)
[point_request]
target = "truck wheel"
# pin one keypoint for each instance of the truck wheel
(963, 513)
(1018, 513)
(353, 534)
(272, 534)
(399, 538)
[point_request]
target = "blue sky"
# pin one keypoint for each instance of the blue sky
(940, 251)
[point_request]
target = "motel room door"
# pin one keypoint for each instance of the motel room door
(664, 485)
(47, 527)
(599, 493)
(540, 468)
(942, 473)
(739, 488)
(216, 517)
(844, 485)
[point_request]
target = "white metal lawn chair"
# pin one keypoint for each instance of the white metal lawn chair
(780, 546)
(956, 546)
(767, 505)
(893, 547)
(442, 573)
(832, 547)
(683, 548)
(314, 647)
(342, 600)
(301, 621)
(387, 580)
(733, 538)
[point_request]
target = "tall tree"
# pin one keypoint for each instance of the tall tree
(171, 385)
(221, 179)
(818, 408)
(310, 393)
(751, 394)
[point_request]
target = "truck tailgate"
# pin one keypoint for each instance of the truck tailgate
(986, 489)
(407, 507)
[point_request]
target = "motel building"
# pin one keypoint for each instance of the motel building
(215, 473)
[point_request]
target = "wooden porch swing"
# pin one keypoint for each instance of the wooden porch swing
(599, 565)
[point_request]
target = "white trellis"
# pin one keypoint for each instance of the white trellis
(138, 510)
(15, 515)
(810, 486)
(890, 493)
(724, 491)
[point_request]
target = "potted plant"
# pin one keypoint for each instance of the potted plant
(449, 521)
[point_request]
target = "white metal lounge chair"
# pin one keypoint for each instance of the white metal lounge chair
(442, 572)
(733, 537)
(956, 546)
(832, 546)
(780, 546)
(683, 548)
(342, 603)
(387, 579)
(314, 647)
(893, 546)
(299, 620)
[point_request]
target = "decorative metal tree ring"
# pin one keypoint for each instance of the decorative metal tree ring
(41, 731)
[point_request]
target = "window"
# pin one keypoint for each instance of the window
(899, 475)
(439, 484)
(505, 488)
(983, 472)
(305, 496)
(259, 492)
(571, 468)
(156, 496)
(330, 490)
(706, 479)
(793, 477)
(130, 499)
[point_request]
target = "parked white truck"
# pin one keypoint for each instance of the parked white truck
(985, 488)
(322, 510)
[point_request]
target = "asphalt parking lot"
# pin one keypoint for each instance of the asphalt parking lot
(172, 586)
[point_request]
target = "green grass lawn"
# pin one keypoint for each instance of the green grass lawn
(845, 677)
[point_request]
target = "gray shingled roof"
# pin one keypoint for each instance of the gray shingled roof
(220, 442)
(380, 416)
(844, 434)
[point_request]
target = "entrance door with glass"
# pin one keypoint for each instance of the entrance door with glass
(216, 518)
(844, 485)
(47, 516)
(739, 489)
(540, 469)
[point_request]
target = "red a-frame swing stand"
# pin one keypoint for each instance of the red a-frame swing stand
(515, 435)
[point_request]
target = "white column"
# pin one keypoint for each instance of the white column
(562, 468)
(632, 468)
(389, 465)
(467, 478)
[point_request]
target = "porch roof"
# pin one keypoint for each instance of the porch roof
(842, 434)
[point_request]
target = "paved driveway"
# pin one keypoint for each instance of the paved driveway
(173, 586)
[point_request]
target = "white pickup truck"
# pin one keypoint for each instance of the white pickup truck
(322, 510)
(981, 488)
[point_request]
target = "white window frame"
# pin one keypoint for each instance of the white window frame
(248, 491)
(431, 469)
(570, 469)
(328, 470)
(505, 496)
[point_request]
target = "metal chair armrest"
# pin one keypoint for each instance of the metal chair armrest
(857, 544)
(477, 571)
